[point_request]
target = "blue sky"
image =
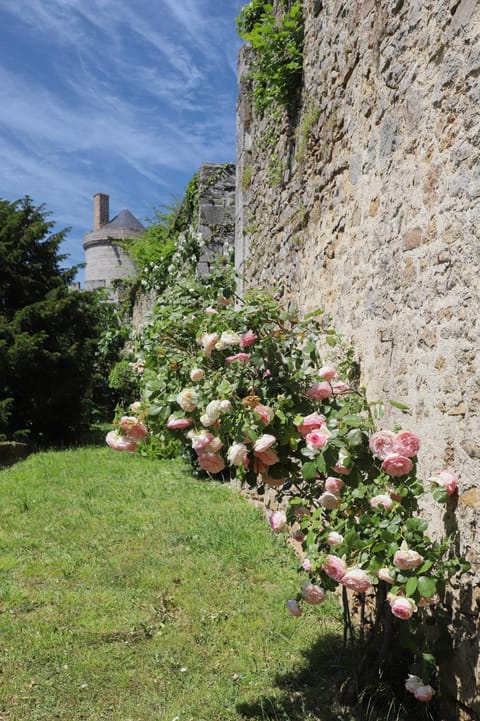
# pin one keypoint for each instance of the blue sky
(124, 97)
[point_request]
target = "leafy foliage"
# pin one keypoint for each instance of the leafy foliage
(48, 331)
(248, 390)
(276, 37)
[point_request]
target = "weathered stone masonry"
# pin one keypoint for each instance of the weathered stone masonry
(369, 206)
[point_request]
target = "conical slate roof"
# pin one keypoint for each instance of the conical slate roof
(125, 220)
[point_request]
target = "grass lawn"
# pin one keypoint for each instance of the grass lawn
(131, 592)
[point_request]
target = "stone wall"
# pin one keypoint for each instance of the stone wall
(368, 205)
(216, 211)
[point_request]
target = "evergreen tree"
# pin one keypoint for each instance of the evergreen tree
(48, 331)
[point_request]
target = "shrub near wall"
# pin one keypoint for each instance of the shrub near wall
(245, 391)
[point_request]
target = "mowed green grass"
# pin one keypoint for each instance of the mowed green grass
(130, 591)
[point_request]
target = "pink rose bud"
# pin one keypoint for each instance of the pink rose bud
(402, 607)
(196, 374)
(340, 387)
(133, 428)
(119, 442)
(396, 465)
(277, 521)
(385, 574)
(307, 565)
(406, 559)
(247, 339)
(313, 594)
(327, 372)
(357, 580)
(319, 391)
(243, 357)
(334, 485)
(381, 443)
(446, 480)
(178, 424)
(293, 607)
(311, 423)
(406, 444)
(334, 567)
(334, 538)
(382, 500)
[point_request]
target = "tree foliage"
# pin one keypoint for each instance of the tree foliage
(49, 331)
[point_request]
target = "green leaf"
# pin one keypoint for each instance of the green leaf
(411, 586)
(427, 587)
(320, 463)
(309, 471)
(400, 406)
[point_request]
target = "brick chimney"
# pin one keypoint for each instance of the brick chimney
(101, 211)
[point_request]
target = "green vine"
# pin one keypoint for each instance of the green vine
(276, 37)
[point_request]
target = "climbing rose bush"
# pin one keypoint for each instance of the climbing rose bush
(255, 392)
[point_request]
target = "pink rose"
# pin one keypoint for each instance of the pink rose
(313, 594)
(334, 567)
(307, 565)
(382, 500)
(334, 485)
(178, 424)
(187, 399)
(381, 443)
(278, 521)
(327, 372)
(119, 442)
(211, 462)
(200, 440)
(338, 468)
(406, 559)
(268, 457)
(423, 693)
(319, 391)
(340, 387)
(402, 607)
(424, 602)
(317, 438)
(196, 374)
(357, 580)
(265, 412)
(133, 428)
(244, 357)
(311, 423)
(329, 501)
(264, 442)
(397, 465)
(236, 454)
(406, 444)
(293, 607)
(334, 538)
(413, 682)
(247, 339)
(445, 479)
(208, 342)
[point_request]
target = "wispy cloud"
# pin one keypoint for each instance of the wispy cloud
(127, 98)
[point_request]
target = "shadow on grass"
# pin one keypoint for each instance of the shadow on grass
(306, 693)
(321, 690)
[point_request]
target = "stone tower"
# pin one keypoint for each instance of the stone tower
(105, 260)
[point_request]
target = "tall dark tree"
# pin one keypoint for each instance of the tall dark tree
(48, 331)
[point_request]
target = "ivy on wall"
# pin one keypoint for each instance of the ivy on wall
(276, 36)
